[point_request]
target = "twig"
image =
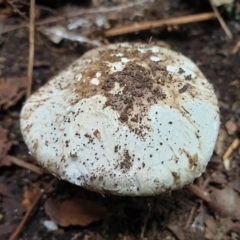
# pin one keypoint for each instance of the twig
(15, 9)
(229, 151)
(143, 228)
(26, 165)
(28, 212)
(205, 182)
(76, 14)
(31, 47)
(92, 11)
(190, 217)
(236, 48)
(158, 23)
(221, 21)
(199, 192)
(5, 29)
(48, 9)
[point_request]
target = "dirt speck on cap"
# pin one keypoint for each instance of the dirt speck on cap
(130, 82)
(126, 162)
(97, 134)
(139, 91)
(193, 160)
(176, 177)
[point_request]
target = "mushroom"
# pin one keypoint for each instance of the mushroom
(124, 119)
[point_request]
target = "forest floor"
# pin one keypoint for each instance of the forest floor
(208, 210)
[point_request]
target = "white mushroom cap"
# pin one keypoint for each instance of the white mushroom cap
(124, 119)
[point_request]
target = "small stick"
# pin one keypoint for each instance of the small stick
(48, 9)
(16, 9)
(221, 21)
(199, 193)
(205, 183)
(159, 23)
(28, 212)
(6, 29)
(81, 12)
(229, 152)
(143, 228)
(31, 47)
(236, 48)
(190, 217)
(77, 13)
(26, 165)
(231, 148)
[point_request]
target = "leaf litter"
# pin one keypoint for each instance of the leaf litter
(225, 201)
(5, 145)
(74, 211)
(12, 207)
(11, 91)
(29, 196)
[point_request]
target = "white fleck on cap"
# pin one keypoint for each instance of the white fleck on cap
(141, 120)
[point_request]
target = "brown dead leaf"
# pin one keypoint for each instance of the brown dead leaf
(211, 228)
(231, 127)
(6, 228)
(74, 212)
(225, 201)
(6, 161)
(220, 144)
(4, 191)
(11, 206)
(5, 145)
(30, 195)
(219, 229)
(11, 90)
(2, 59)
(93, 236)
(218, 177)
(225, 225)
(235, 184)
(197, 227)
(177, 231)
(236, 227)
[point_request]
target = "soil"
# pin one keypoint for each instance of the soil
(177, 215)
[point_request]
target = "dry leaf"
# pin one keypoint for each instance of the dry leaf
(177, 231)
(231, 127)
(197, 227)
(225, 201)
(11, 207)
(4, 191)
(11, 90)
(6, 228)
(218, 177)
(225, 225)
(219, 229)
(5, 145)
(29, 196)
(236, 227)
(74, 212)
(235, 185)
(220, 144)
(211, 228)
(6, 161)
